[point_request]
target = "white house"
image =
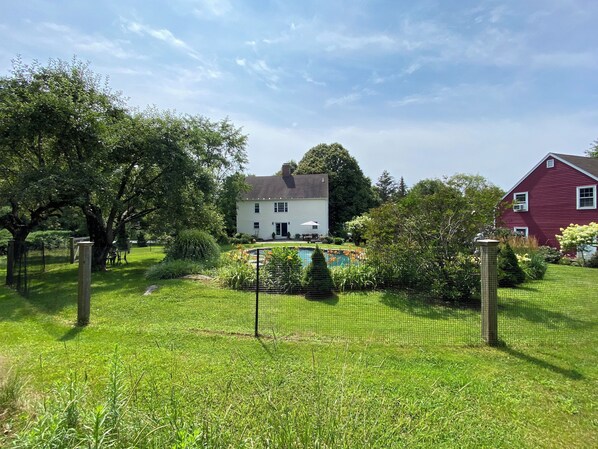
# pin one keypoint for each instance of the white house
(281, 204)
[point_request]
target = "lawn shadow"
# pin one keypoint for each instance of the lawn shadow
(54, 290)
(330, 301)
(421, 305)
(517, 308)
(72, 333)
(569, 373)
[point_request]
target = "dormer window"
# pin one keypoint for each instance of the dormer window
(550, 163)
(520, 202)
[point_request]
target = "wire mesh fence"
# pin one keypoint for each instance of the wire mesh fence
(30, 260)
(354, 298)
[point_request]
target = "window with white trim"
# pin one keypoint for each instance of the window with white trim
(550, 163)
(520, 201)
(522, 232)
(281, 206)
(256, 225)
(586, 197)
(256, 208)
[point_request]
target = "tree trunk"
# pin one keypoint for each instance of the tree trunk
(99, 235)
(19, 236)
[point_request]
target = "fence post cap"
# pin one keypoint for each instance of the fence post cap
(85, 243)
(487, 242)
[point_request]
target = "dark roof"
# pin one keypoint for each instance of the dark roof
(587, 164)
(286, 187)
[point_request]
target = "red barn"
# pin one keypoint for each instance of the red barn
(558, 191)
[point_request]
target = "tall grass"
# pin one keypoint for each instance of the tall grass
(11, 389)
(306, 410)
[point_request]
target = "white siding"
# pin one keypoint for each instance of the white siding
(299, 211)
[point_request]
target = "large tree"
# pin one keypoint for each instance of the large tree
(350, 193)
(161, 164)
(47, 114)
(386, 187)
(65, 139)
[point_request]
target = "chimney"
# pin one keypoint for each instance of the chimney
(286, 170)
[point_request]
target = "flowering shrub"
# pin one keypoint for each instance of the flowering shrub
(578, 238)
(282, 270)
(533, 265)
(237, 271)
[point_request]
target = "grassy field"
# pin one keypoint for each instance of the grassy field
(179, 368)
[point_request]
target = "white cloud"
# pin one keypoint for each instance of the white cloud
(260, 68)
(337, 41)
(212, 8)
(344, 100)
(587, 60)
(310, 80)
(81, 42)
(241, 62)
(352, 97)
(161, 34)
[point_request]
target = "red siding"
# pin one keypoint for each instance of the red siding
(552, 196)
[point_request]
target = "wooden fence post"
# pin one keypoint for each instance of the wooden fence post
(72, 249)
(489, 289)
(84, 291)
(10, 263)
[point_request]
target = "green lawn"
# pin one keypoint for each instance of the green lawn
(382, 369)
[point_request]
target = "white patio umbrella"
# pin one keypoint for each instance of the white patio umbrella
(310, 223)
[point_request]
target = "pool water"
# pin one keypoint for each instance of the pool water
(333, 259)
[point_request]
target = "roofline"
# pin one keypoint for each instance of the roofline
(554, 155)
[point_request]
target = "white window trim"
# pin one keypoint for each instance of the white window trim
(526, 203)
(285, 206)
(550, 163)
(525, 230)
(577, 198)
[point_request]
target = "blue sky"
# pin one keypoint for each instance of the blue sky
(419, 88)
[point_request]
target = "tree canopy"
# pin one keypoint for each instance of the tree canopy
(426, 240)
(67, 140)
(350, 192)
(386, 187)
(593, 151)
(49, 118)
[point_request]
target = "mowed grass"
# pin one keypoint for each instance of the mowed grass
(379, 369)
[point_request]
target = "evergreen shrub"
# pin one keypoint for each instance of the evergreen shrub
(593, 261)
(317, 280)
(510, 273)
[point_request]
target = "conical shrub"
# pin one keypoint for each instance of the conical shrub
(510, 273)
(318, 281)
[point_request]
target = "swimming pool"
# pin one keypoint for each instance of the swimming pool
(334, 257)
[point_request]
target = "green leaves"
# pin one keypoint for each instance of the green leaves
(350, 191)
